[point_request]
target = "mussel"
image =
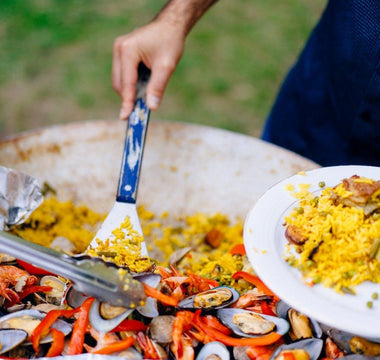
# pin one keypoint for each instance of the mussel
(104, 317)
(213, 351)
(250, 324)
(215, 298)
(27, 320)
(10, 338)
(307, 349)
(301, 326)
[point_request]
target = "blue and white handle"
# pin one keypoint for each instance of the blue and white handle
(137, 125)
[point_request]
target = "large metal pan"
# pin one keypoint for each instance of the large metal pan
(186, 169)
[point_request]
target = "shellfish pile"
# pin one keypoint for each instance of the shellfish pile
(188, 317)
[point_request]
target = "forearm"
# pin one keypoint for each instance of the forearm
(184, 14)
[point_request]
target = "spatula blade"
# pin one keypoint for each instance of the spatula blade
(119, 213)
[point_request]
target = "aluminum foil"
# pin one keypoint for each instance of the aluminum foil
(20, 194)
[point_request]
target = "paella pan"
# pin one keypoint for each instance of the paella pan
(187, 170)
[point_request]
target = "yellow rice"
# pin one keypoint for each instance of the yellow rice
(163, 233)
(338, 252)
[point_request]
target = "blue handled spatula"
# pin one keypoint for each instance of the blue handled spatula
(125, 205)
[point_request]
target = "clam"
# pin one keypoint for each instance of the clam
(161, 329)
(250, 324)
(178, 255)
(10, 338)
(54, 296)
(213, 351)
(215, 298)
(302, 327)
(129, 354)
(307, 349)
(240, 353)
(7, 259)
(18, 307)
(27, 320)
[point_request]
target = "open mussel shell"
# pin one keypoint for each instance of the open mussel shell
(213, 351)
(227, 316)
(345, 341)
(104, 317)
(216, 298)
(150, 308)
(101, 324)
(28, 319)
(74, 298)
(10, 338)
(312, 346)
(299, 323)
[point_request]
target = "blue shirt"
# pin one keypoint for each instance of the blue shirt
(328, 108)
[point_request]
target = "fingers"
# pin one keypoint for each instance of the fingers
(159, 79)
(116, 66)
(124, 75)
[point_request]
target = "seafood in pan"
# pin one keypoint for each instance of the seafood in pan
(261, 329)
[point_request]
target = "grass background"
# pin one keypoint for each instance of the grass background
(56, 56)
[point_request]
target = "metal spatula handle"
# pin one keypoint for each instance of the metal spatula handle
(137, 125)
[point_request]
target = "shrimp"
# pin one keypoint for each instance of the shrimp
(12, 275)
(182, 343)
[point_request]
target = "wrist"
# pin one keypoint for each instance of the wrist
(182, 15)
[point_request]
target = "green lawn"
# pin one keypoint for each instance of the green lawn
(56, 55)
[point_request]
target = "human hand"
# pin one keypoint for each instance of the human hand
(159, 45)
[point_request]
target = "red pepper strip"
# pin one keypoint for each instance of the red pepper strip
(259, 353)
(58, 344)
(288, 356)
(31, 269)
(32, 289)
(213, 321)
(130, 325)
(43, 327)
(238, 249)
(230, 341)
(156, 294)
(80, 328)
(265, 309)
(29, 290)
(115, 347)
(255, 281)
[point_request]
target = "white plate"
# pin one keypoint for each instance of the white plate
(265, 242)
